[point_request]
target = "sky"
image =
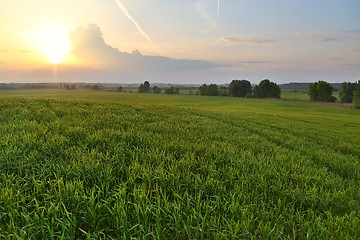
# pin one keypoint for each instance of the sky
(179, 41)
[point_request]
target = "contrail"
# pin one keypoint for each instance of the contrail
(141, 31)
(218, 12)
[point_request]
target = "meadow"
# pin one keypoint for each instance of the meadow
(295, 95)
(107, 165)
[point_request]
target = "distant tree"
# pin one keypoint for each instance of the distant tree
(346, 92)
(144, 88)
(72, 87)
(147, 86)
(141, 88)
(209, 90)
(255, 91)
(120, 89)
(170, 90)
(267, 89)
(213, 90)
(95, 87)
(356, 97)
(223, 91)
(313, 92)
(203, 89)
(321, 91)
(177, 90)
(239, 88)
(156, 89)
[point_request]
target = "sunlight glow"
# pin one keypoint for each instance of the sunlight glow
(54, 44)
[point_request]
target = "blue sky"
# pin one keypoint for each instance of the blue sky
(283, 40)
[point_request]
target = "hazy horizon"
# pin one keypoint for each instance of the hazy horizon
(179, 42)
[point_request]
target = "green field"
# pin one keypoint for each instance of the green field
(303, 96)
(106, 165)
(295, 95)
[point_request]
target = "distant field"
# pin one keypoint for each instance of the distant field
(102, 165)
(299, 95)
(295, 95)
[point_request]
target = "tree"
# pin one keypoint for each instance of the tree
(267, 89)
(156, 89)
(321, 91)
(96, 87)
(223, 91)
(120, 89)
(346, 92)
(239, 88)
(147, 86)
(213, 90)
(209, 90)
(170, 90)
(203, 89)
(144, 88)
(356, 97)
(177, 90)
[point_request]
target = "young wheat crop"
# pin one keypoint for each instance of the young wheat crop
(76, 169)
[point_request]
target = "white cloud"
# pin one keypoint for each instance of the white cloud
(108, 64)
(324, 36)
(248, 40)
(89, 45)
(203, 7)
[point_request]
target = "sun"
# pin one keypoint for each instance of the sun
(54, 43)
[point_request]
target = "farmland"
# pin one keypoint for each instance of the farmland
(95, 164)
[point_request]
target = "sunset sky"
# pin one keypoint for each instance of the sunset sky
(179, 41)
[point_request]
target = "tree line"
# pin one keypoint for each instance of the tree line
(242, 88)
(237, 88)
(145, 88)
(348, 93)
(319, 91)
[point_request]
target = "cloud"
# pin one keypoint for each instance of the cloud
(337, 58)
(255, 62)
(316, 36)
(351, 32)
(248, 40)
(103, 63)
(89, 45)
(356, 50)
(330, 39)
(204, 11)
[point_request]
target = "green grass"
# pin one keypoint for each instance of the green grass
(102, 165)
(295, 95)
(300, 96)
